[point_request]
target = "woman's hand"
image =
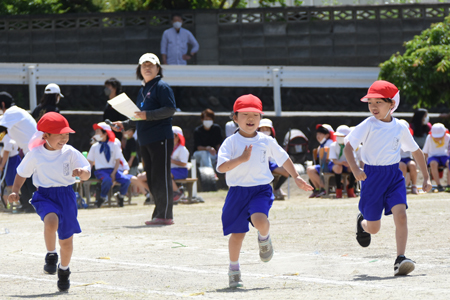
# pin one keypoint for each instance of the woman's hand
(118, 126)
(142, 115)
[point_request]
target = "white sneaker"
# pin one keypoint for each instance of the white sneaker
(265, 250)
(235, 279)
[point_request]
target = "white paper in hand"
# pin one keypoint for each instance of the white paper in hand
(124, 105)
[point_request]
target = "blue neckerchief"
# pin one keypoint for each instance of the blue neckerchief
(321, 146)
(105, 147)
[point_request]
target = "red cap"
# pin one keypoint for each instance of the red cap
(381, 89)
(55, 123)
(248, 103)
(107, 128)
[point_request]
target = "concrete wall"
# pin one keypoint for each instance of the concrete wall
(320, 36)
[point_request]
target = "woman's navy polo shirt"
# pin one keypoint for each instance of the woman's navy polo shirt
(154, 95)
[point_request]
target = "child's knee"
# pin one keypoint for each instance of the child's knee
(51, 221)
(373, 227)
(67, 243)
(337, 169)
(237, 237)
(433, 164)
(311, 170)
(259, 219)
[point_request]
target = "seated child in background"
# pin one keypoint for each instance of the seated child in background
(407, 164)
(325, 137)
(266, 127)
(339, 164)
(179, 159)
(130, 151)
(10, 155)
(105, 154)
(436, 152)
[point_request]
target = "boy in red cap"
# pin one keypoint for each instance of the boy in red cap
(383, 184)
(244, 157)
(54, 166)
(106, 155)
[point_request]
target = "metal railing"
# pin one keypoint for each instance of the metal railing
(275, 77)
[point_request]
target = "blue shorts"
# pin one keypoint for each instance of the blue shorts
(383, 188)
(11, 172)
(61, 201)
(330, 168)
(179, 173)
(405, 160)
(272, 166)
(242, 202)
(441, 160)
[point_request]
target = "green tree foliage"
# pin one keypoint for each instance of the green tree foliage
(422, 73)
(36, 7)
(26, 7)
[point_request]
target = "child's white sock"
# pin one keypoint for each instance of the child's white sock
(63, 268)
(54, 251)
(234, 265)
(263, 237)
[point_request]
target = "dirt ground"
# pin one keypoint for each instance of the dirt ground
(316, 254)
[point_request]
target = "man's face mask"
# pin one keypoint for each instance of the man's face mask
(177, 25)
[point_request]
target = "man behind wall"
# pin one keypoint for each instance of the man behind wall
(175, 42)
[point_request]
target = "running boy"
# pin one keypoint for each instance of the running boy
(54, 166)
(383, 185)
(244, 157)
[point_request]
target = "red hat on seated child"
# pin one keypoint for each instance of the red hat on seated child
(107, 128)
(54, 123)
(248, 103)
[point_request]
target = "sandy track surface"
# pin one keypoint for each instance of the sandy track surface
(316, 254)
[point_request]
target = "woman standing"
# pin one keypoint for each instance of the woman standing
(154, 130)
(49, 101)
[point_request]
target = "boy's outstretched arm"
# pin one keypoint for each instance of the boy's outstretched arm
(357, 172)
(18, 182)
(233, 163)
(420, 160)
(290, 168)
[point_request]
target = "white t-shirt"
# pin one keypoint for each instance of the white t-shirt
(180, 154)
(335, 150)
(99, 158)
(256, 170)
(432, 149)
(230, 128)
(381, 141)
(10, 145)
(52, 168)
(21, 126)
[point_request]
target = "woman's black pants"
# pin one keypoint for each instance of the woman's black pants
(156, 160)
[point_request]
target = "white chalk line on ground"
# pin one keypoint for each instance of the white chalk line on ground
(255, 275)
(75, 284)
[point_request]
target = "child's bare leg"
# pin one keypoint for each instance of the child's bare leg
(371, 227)
(235, 245)
(435, 172)
(402, 166)
(174, 185)
(51, 222)
(413, 172)
(66, 251)
(401, 227)
(261, 223)
(314, 177)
